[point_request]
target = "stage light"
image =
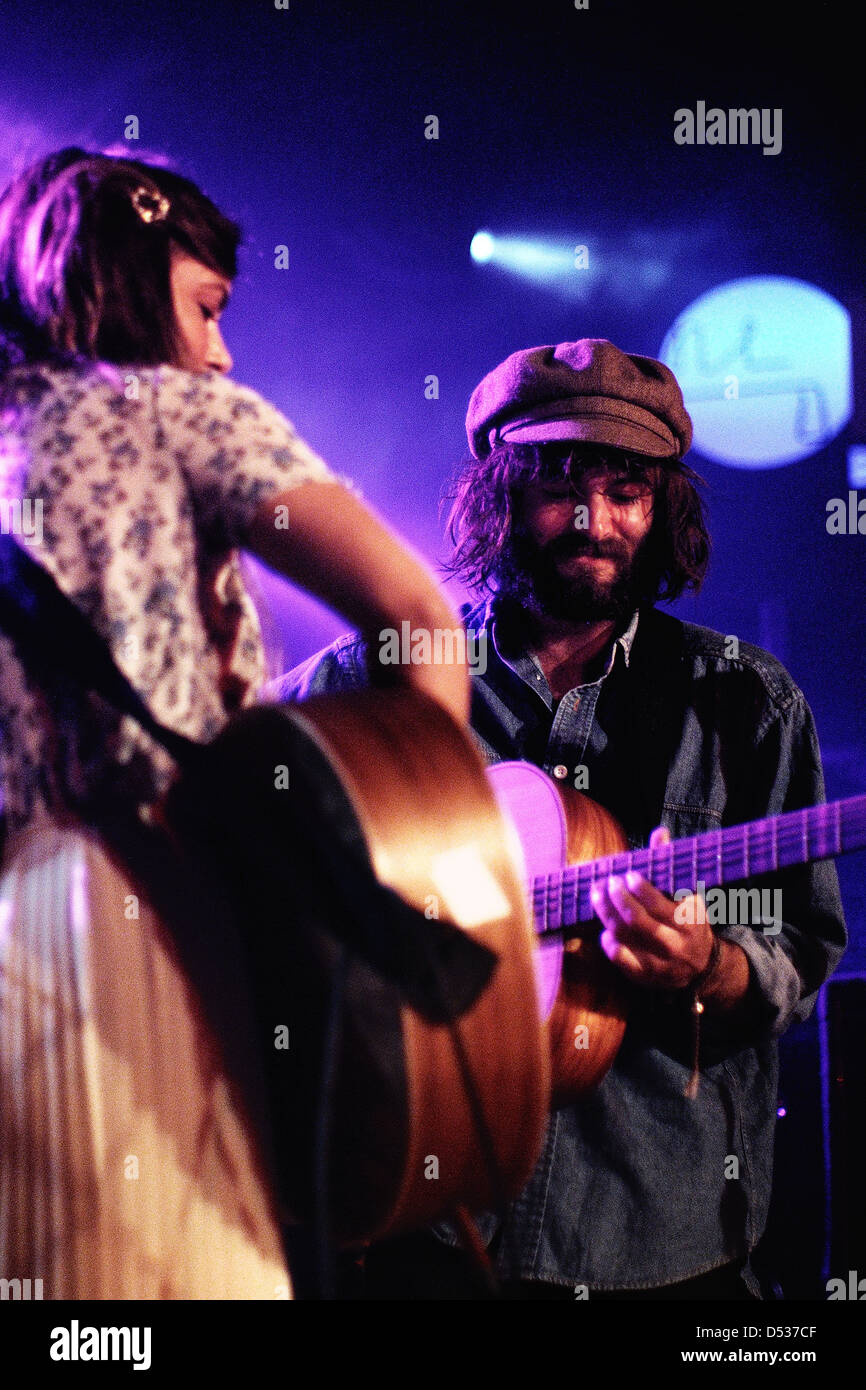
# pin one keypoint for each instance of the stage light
(560, 266)
(482, 247)
(857, 466)
(765, 368)
(577, 267)
(534, 258)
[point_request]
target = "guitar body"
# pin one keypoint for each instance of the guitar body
(382, 782)
(581, 995)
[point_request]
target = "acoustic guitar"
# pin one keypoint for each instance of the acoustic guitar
(569, 842)
(407, 1063)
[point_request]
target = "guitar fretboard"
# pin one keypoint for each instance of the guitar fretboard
(562, 899)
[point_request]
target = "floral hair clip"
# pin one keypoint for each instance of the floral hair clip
(150, 205)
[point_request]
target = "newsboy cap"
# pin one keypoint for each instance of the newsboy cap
(587, 390)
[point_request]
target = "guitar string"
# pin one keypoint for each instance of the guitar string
(789, 838)
(786, 834)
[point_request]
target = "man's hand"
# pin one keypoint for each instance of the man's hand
(643, 937)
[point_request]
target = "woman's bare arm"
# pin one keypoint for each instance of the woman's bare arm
(338, 549)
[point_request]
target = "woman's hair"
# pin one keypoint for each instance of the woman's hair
(85, 256)
(486, 521)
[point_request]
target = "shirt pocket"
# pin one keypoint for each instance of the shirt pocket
(685, 818)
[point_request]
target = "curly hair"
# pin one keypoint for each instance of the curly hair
(83, 276)
(485, 517)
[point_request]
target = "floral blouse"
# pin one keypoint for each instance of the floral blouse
(134, 489)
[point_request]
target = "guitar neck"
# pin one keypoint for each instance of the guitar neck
(562, 900)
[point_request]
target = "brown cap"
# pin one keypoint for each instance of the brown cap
(587, 390)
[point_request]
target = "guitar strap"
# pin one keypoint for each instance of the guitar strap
(53, 635)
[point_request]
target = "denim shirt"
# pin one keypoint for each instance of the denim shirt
(636, 1185)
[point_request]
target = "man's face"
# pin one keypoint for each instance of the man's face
(579, 543)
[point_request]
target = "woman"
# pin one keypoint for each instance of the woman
(132, 1160)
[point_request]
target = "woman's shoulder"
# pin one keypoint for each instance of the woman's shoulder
(32, 383)
(39, 388)
(119, 413)
(121, 402)
(184, 390)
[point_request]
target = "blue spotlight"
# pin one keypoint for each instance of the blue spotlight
(857, 466)
(535, 259)
(579, 266)
(482, 247)
(560, 266)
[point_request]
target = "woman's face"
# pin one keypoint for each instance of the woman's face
(199, 296)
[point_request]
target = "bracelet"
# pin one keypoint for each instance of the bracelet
(709, 969)
(696, 988)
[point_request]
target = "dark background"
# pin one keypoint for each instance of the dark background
(308, 126)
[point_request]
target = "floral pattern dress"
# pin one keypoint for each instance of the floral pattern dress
(128, 1166)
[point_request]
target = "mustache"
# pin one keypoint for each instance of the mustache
(572, 543)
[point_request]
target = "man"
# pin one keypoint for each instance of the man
(577, 514)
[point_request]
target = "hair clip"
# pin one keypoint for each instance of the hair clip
(150, 205)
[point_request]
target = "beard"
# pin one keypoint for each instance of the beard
(557, 580)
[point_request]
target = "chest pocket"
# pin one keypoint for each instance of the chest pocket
(691, 819)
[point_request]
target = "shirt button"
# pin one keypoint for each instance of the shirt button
(560, 771)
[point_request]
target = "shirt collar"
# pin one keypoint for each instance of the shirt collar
(522, 663)
(626, 639)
